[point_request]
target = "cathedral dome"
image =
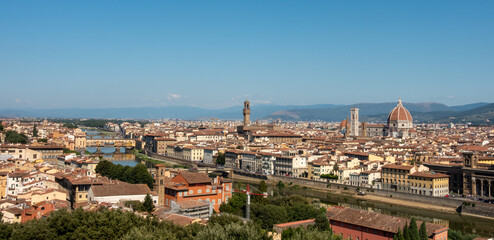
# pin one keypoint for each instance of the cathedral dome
(399, 113)
(343, 124)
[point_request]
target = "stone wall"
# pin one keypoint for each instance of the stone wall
(483, 209)
(441, 201)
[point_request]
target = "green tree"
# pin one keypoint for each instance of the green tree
(69, 125)
(43, 140)
(142, 175)
(148, 205)
(220, 159)
(224, 219)
(423, 232)
(263, 187)
(138, 174)
(266, 215)
(232, 231)
(35, 131)
(398, 235)
(406, 233)
(14, 137)
(301, 211)
(413, 230)
(322, 223)
(301, 233)
(1, 127)
(103, 167)
(456, 235)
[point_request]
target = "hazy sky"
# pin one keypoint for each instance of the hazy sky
(56, 54)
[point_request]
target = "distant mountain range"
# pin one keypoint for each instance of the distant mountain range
(477, 113)
(378, 112)
(165, 112)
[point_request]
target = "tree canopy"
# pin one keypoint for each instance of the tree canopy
(14, 137)
(115, 224)
(148, 205)
(136, 175)
(220, 159)
(35, 131)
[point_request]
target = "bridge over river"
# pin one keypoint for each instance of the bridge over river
(99, 142)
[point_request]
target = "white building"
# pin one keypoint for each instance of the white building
(114, 193)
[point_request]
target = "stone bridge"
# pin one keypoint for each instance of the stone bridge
(110, 142)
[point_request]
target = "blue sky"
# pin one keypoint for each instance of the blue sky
(57, 54)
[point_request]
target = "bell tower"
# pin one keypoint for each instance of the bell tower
(354, 122)
(470, 159)
(246, 113)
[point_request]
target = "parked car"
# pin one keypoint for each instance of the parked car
(360, 193)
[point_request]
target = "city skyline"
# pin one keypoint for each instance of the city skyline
(217, 54)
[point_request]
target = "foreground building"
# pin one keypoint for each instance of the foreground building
(115, 193)
(362, 225)
(197, 186)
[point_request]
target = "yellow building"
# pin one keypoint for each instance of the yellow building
(80, 140)
(3, 182)
(48, 195)
(486, 160)
(395, 177)
(49, 153)
(429, 183)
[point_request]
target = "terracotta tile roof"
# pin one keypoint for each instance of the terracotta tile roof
(429, 175)
(180, 219)
(192, 204)
(195, 178)
(376, 220)
(120, 189)
(295, 224)
(402, 167)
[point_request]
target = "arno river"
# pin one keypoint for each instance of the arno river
(463, 223)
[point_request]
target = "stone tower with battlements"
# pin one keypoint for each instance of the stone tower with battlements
(354, 123)
(246, 113)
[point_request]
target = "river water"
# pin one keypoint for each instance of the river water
(462, 223)
(112, 154)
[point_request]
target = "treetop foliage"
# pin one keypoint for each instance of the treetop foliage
(14, 137)
(282, 209)
(115, 224)
(135, 175)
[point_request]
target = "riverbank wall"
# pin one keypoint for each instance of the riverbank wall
(486, 210)
(440, 201)
(483, 209)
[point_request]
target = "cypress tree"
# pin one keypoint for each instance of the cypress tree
(423, 232)
(148, 204)
(398, 235)
(35, 131)
(406, 234)
(413, 230)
